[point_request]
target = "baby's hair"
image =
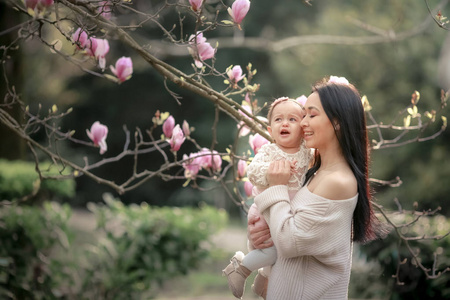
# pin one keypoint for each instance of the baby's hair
(278, 101)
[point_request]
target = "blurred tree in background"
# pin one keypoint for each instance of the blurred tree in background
(387, 72)
(388, 50)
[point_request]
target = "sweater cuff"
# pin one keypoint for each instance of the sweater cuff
(271, 196)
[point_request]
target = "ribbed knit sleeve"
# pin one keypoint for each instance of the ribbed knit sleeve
(309, 225)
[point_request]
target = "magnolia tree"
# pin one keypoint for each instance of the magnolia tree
(92, 27)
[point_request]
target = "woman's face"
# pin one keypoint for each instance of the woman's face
(318, 131)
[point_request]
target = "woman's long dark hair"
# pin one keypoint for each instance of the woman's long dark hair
(343, 106)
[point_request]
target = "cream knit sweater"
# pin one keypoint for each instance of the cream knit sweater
(313, 239)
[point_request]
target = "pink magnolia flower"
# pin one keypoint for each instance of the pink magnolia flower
(105, 9)
(205, 51)
(256, 142)
(98, 135)
(210, 160)
(248, 187)
(338, 80)
(196, 4)
(177, 139)
(239, 10)
(191, 166)
(99, 48)
(196, 39)
(242, 168)
(186, 128)
(81, 38)
(200, 49)
(168, 126)
(302, 100)
(123, 69)
(235, 74)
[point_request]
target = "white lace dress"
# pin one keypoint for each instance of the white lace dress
(257, 170)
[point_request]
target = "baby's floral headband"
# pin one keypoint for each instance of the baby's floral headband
(300, 100)
(338, 80)
(278, 100)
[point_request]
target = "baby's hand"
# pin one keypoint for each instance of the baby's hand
(293, 167)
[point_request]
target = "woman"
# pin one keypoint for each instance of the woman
(314, 232)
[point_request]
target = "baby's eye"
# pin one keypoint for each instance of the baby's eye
(293, 119)
(277, 119)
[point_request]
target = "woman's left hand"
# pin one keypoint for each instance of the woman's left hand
(258, 233)
(279, 172)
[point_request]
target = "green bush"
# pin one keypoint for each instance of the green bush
(29, 236)
(134, 250)
(144, 246)
(19, 179)
(389, 254)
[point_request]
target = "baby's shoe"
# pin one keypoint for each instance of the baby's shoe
(236, 274)
(259, 286)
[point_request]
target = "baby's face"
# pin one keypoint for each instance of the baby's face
(285, 126)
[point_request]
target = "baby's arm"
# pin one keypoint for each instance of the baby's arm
(257, 169)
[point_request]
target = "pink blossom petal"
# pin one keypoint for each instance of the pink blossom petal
(177, 138)
(186, 128)
(239, 10)
(235, 74)
(168, 126)
(205, 51)
(248, 187)
(256, 142)
(242, 168)
(98, 134)
(81, 38)
(123, 68)
(196, 4)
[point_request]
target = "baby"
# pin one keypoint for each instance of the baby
(284, 118)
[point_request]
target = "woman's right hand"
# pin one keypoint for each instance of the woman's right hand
(279, 172)
(258, 233)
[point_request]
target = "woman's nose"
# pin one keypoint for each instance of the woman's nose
(303, 122)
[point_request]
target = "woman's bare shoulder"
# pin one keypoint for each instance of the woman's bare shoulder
(339, 185)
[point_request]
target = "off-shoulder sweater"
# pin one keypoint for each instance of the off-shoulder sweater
(312, 235)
